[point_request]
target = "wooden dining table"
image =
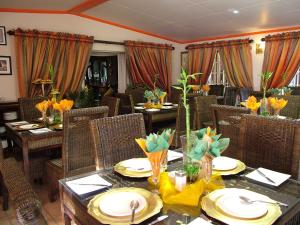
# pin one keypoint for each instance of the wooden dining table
(30, 142)
(162, 115)
(75, 208)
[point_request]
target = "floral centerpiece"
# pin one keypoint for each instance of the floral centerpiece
(62, 106)
(252, 104)
(277, 104)
(155, 147)
(205, 89)
(264, 110)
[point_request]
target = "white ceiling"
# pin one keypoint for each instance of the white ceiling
(39, 4)
(184, 19)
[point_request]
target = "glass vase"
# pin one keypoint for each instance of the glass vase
(157, 160)
(264, 107)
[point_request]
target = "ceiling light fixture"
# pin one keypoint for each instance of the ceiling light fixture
(235, 11)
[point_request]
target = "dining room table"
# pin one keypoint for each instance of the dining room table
(75, 208)
(152, 117)
(30, 142)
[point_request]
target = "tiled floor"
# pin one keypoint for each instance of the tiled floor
(51, 211)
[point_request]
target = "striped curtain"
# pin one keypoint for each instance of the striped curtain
(145, 60)
(37, 50)
(237, 60)
(201, 60)
(282, 57)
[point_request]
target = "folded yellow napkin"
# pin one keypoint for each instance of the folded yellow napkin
(191, 194)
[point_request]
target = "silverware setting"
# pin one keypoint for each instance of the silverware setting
(100, 185)
(158, 219)
(134, 204)
(250, 201)
(265, 176)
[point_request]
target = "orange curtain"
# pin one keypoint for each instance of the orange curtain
(282, 57)
(201, 60)
(237, 60)
(145, 60)
(37, 50)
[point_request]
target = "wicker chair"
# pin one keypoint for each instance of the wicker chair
(28, 111)
(271, 143)
(77, 155)
(126, 103)
(180, 121)
(203, 111)
(244, 93)
(230, 95)
(292, 109)
(112, 103)
(175, 94)
(295, 90)
(227, 120)
(27, 204)
(3, 189)
(216, 89)
(114, 138)
(137, 94)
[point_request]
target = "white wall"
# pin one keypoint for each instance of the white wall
(70, 24)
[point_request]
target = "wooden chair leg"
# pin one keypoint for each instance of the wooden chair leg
(4, 193)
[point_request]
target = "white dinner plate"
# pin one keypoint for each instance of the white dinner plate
(175, 105)
(29, 126)
(139, 107)
(168, 103)
(137, 165)
(231, 204)
(166, 107)
(152, 110)
(224, 163)
(140, 103)
(117, 204)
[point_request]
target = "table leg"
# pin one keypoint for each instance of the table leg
(65, 219)
(26, 159)
(149, 125)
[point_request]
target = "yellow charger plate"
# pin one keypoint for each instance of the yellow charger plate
(154, 205)
(210, 206)
(121, 169)
(240, 167)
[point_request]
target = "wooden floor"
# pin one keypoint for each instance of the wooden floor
(51, 211)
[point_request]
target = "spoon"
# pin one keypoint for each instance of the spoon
(247, 200)
(134, 204)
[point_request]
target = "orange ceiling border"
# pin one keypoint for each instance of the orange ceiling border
(86, 5)
(69, 12)
(126, 27)
(242, 34)
(41, 11)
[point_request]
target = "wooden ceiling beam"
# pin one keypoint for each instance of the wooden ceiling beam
(86, 5)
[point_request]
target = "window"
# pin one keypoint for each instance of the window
(217, 75)
(296, 79)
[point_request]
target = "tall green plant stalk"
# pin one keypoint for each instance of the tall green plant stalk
(184, 78)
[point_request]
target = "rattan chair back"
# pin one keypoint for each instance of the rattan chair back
(226, 120)
(295, 90)
(27, 204)
(271, 143)
(181, 120)
(137, 94)
(230, 95)
(292, 109)
(77, 154)
(112, 103)
(216, 89)
(28, 111)
(203, 111)
(114, 138)
(126, 105)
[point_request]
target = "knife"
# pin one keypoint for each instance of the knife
(158, 219)
(264, 175)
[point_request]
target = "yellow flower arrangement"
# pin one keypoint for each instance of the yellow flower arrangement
(252, 104)
(205, 88)
(195, 87)
(43, 106)
(278, 104)
(63, 105)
